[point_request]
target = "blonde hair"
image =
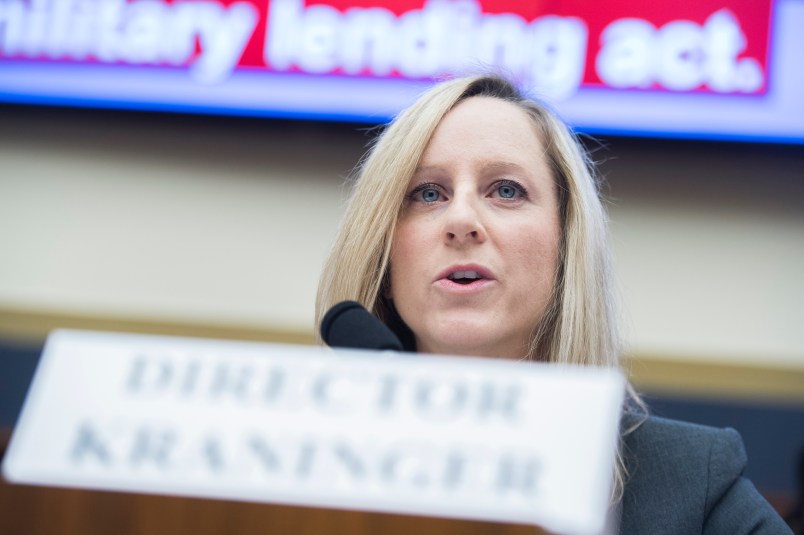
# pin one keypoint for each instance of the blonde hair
(580, 324)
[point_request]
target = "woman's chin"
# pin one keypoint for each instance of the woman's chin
(474, 341)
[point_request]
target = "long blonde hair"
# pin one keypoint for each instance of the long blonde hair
(580, 324)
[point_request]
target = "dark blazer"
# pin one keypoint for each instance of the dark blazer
(687, 479)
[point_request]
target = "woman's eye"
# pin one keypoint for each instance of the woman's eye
(427, 194)
(509, 190)
(430, 195)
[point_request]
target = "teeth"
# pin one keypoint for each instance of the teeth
(465, 275)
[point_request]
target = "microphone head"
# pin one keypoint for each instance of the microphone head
(349, 325)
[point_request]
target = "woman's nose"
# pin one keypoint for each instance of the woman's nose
(463, 222)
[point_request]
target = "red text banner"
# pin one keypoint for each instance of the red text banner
(552, 46)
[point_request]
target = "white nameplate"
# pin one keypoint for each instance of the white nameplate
(425, 435)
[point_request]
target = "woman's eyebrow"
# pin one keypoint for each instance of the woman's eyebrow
(498, 166)
(485, 167)
(428, 169)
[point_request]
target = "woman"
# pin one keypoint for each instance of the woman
(475, 227)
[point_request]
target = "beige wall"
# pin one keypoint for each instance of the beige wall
(709, 242)
(170, 219)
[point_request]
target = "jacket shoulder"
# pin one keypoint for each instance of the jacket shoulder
(687, 478)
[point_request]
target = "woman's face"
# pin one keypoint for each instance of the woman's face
(476, 247)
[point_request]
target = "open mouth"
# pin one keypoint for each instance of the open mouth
(465, 277)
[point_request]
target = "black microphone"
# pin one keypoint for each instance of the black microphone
(349, 325)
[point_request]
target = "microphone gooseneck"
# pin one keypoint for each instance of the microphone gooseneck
(349, 325)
